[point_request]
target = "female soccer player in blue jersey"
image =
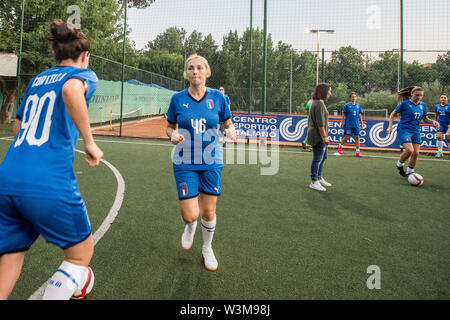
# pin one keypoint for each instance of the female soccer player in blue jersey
(193, 119)
(38, 188)
(443, 117)
(351, 119)
(412, 111)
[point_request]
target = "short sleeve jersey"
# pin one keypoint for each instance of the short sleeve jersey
(443, 112)
(227, 100)
(198, 122)
(352, 112)
(39, 162)
(411, 115)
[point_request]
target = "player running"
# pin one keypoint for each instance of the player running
(351, 122)
(197, 159)
(443, 117)
(412, 111)
(38, 188)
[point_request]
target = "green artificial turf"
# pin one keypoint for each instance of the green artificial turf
(275, 238)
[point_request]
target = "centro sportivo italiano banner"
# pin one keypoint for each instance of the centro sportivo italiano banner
(291, 128)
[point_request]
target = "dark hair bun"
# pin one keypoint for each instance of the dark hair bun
(61, 32)
(67, 42)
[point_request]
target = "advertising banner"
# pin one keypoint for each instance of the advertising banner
(293, 128)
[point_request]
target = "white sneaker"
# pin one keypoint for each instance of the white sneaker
(209, 259)
(187, 238)
(324, 183)
(317, 186)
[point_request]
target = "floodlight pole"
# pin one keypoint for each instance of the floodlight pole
(250, 63)
(401, 45)
(263, 111)
(19, 64)
(290, 87)
(318, 32)
(123, 64)
(317, 62)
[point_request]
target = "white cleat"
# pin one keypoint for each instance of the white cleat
(317, 186)
(187, 238)
(209, 259)
(324, 183)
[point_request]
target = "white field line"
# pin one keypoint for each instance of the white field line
(38, 294)
(268, 148)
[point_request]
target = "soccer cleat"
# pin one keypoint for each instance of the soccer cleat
(340, 150)
(358, 154)
(439, 154)
(187, 238)
(317, 186)
(324, 183)
(209, 259)
(401, 171)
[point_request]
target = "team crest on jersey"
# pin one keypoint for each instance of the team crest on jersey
(210, 104)
(183, 188)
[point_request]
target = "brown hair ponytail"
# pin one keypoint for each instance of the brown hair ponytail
(405, 93)
(67, 43)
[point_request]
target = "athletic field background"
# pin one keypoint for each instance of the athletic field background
(275, 238)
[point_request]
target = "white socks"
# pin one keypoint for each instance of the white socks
(187, 238)
(208, 228)
(440, 145)
(65, 281)
(400, 164)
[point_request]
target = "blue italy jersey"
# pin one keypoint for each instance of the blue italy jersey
(352, 115)
(39, 163)
(411, 115)
(227, 99)
(443, 112)
(198, 122)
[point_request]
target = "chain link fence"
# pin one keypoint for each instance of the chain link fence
(370, 47)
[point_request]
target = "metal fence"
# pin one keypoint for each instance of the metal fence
(269, 55)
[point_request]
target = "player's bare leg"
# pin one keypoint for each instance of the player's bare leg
(358, 153)
(189, 214)
(10, 267)
(408, 149)
(73, 273)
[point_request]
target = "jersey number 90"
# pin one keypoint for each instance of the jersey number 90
(30, 120)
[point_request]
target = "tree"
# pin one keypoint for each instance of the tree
(347, 66)
(100, 21)
(383, 73)
(417, 74)
(442, 68)
(140, 4)
(172, 41)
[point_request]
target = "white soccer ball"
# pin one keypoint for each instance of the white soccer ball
(81, 293)
(415, 179)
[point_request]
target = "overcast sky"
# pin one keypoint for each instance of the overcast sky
(363, 24)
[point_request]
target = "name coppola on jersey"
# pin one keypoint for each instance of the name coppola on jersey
(48, 79)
